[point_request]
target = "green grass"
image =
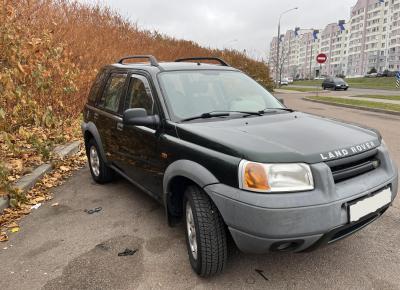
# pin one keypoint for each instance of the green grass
(349, 101)
(394, 98)
(384, 83)
(301, 89)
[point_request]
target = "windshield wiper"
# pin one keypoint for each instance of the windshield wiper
(222, 114)
(206, 116)
(282, 109)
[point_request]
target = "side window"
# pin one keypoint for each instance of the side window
(97, 84)
(112, 92)
(139, 95)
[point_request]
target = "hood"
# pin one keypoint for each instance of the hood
(282, 137)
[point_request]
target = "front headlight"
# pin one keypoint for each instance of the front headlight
(275, 177)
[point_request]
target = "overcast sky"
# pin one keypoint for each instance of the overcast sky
(234, 24)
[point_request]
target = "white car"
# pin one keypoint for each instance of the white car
(290, 80)
(284, 82)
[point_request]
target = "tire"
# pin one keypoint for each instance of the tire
(101, 173)
(323, 88)
(210, 254)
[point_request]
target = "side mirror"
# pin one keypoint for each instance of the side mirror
(139, 117)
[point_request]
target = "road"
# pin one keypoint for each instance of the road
(64, 247)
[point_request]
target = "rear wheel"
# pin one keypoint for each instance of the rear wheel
(101, 173)
(205, 233)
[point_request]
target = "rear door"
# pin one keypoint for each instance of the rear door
(109, 114)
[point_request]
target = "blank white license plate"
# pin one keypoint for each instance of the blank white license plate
(370, 204)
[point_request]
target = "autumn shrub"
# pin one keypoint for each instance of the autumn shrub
(50, 51)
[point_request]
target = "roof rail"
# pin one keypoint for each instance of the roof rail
(153, 61)
(222, 62)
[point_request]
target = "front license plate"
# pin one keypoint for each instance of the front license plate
(370, 204)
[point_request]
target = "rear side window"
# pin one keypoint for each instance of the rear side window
(97, 84)
(112, 92)
(139, 95)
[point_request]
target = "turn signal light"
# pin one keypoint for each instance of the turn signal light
(255, 177)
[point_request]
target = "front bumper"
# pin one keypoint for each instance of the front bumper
(262, 222)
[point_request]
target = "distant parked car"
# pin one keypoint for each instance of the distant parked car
(290, 80)
(284, 82)
(371, 75)
(388, 73)
(319, 78)
(335, 84)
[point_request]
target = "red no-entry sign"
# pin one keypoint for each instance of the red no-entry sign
(321, 58)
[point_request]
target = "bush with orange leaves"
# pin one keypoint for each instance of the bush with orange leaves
(50, 51)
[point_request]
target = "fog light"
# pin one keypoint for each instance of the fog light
(286, 246)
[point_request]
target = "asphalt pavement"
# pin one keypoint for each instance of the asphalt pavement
(64, 247)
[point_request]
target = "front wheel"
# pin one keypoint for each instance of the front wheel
(205, 233)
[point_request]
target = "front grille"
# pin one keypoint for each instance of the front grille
(353, 166)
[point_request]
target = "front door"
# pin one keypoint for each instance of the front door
(139, 156)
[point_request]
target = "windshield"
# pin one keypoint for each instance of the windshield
(191, 93)
(338, 80)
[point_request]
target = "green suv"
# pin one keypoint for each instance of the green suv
(227, 158)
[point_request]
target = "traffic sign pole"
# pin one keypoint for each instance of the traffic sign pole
(321, 58)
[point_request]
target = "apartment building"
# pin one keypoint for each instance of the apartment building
(369, 38)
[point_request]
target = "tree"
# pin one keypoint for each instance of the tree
(278, 64)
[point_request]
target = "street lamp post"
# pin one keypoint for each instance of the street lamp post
(277, 46)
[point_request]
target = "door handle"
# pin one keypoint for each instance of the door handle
(120, 126)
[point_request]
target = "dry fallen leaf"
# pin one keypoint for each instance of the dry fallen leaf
(55, 204)
(65, 168)
(3, 237)
(16, 164)
(39, 199)
(12, 225)
(14, 230)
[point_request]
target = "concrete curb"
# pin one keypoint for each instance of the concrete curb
(27, 181)
(376, 110)
(3, 203)
(67, 150)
